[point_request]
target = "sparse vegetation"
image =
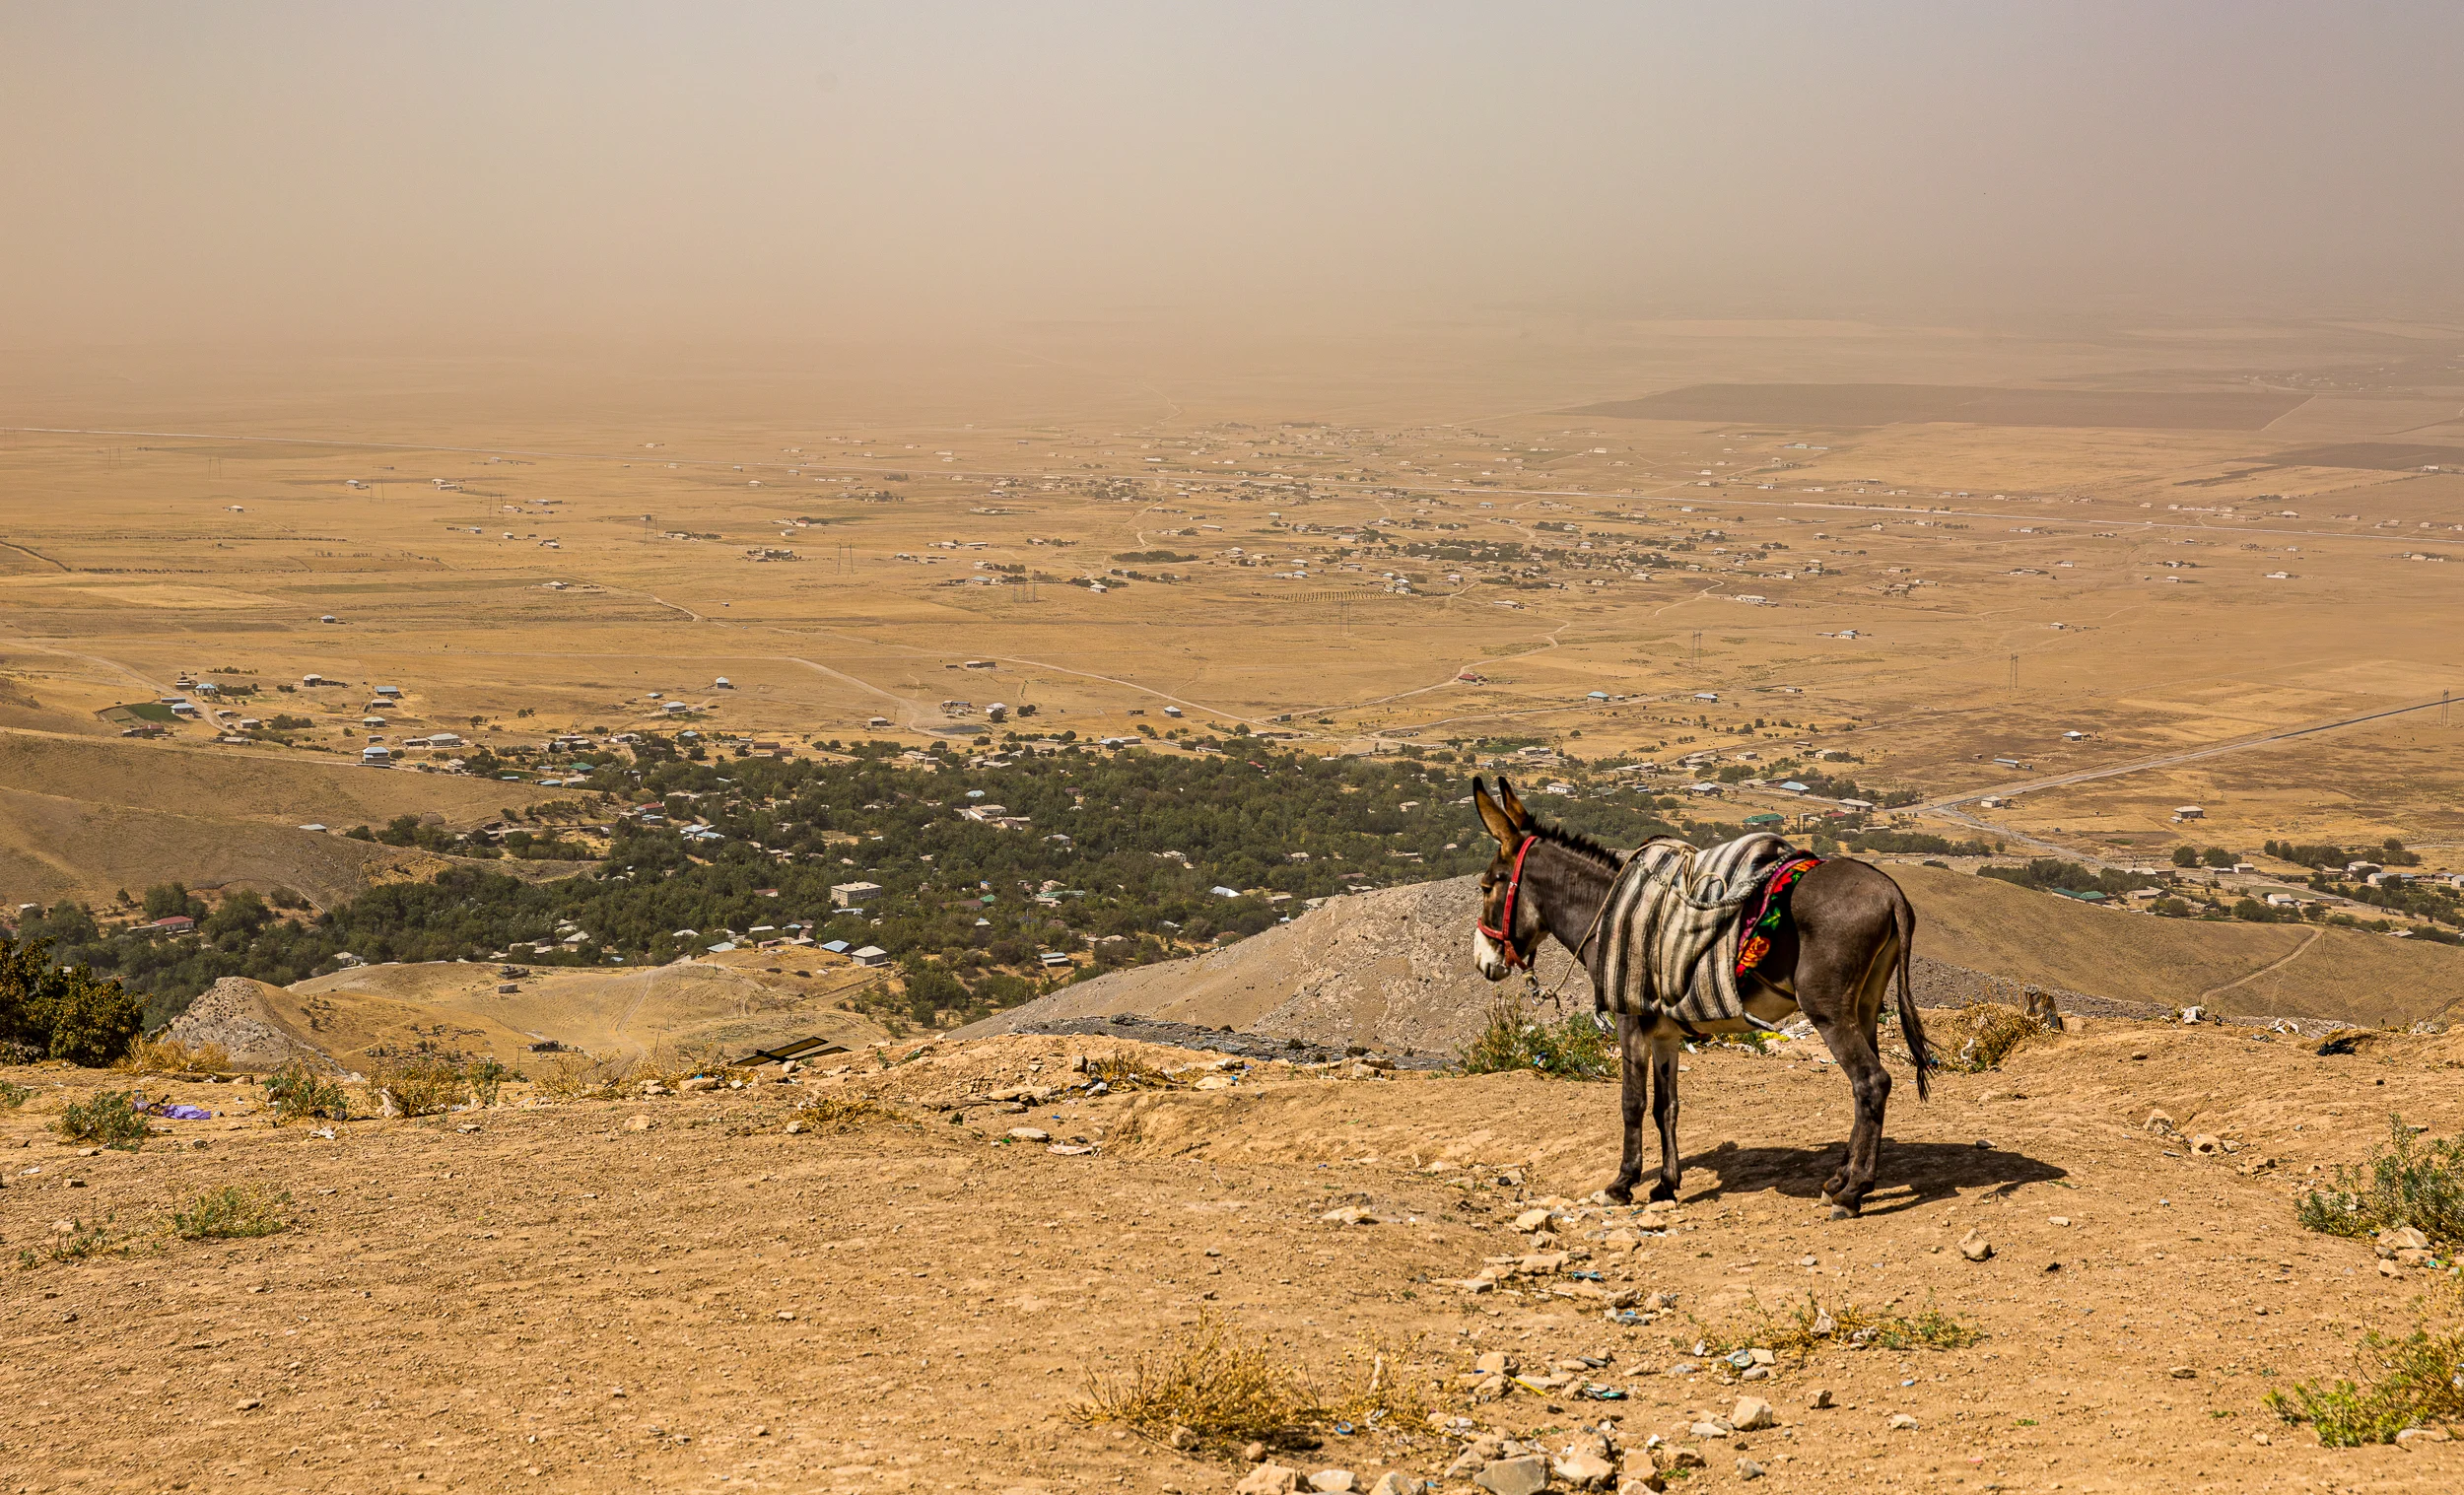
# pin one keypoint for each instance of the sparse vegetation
(1981, 1035)
(235, 1211)
(106, 1119)
(297, 1093)
(1125, 1071)
(2417, 1380)
(148, 1056)
(1225, 1385)
(2411, 1180)
(487, 1077)
(1838, 1324)
(580, 1077)
(82, 1241)
(1573, 1048)
(839, 1113)
(415, 1086)
(13, 1095)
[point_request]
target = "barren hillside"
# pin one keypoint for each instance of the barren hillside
(1392, 969)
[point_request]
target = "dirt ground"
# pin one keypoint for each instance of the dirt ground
(561, 1297)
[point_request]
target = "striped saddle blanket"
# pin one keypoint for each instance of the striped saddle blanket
(1674, 936)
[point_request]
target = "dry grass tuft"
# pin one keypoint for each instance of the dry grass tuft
(235, 1211)
(1841, 1323)
(168, 1056)
(841, 1113)
(2417, 1380)
(1381, 1389)
(1981, 1035)
(1225, 1385)
(420, 1086)
(1127, 1071)
(580, 1077)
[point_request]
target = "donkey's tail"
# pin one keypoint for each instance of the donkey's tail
(1911, 1027)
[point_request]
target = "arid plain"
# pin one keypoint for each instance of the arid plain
(1940, 547)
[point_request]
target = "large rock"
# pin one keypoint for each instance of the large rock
(233, 1013)
(1269, 1479)
(1526, 1475)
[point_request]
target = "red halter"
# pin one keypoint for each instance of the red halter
(1514, 886)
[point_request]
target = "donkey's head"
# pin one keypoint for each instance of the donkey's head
(1508, 930)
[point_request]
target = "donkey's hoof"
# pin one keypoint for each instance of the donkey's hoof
(1619, 1193)
(1664, 1193)
(1842, 1213)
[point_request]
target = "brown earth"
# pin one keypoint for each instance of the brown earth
(559, 1296)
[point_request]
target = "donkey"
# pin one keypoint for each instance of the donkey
(1853, 927)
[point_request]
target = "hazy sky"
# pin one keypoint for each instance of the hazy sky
(489, 174)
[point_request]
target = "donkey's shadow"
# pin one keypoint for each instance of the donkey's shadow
(1911, 1172)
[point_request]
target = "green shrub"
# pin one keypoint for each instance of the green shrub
(2417, 1380)
(235, 1211)
(2411, 1180)
(105, 1117)
(13, 1095)
(1573, 1048)
(486, 1077)
(63, 1012)
(297, 1093)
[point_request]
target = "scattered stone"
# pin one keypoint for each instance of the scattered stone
(2204, 1146)
(1523, 1475)
(1182, 1437)
(1818, 1398)
(1269, 1479)
(1974, 1245)
(1255, 1452)
(1394, 1482)
(2404, 1238)
(1747, 1468)
(1349, 1214)
(2416, 1437)
(2182, 1372)
(1466, 1463)
(1902, 1422)
(654, 1088)
(1331, 1481)
(1651, 1482)
(1752, 1414)
(1671, 1457)
(1585, 1470)
(251, 1405)
(1029, 1134)
(637, 1124)
(2058, 1220)
(1531, 1220)
(1711, 1427)
(697, 1083)
(1496, 1363)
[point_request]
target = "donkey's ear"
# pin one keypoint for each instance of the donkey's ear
(1500, 824)
(1511, 804)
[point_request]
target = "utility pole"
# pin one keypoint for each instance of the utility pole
(1699, 648)
(2015, 672)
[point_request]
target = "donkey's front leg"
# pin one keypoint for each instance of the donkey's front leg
(1664, 1110)
(1635, 1076)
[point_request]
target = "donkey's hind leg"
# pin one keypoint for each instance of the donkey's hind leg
(1846, 1022)
(1664, 1052)
(1634, 1075)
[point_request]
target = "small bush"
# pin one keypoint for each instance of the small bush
(235, 1211)
(83, 1239)
(1841, 1323)
(2417, 1380)
(168, 1056)
(1981, 1035)
(1223, 1385)
(487, 1077)
(1574, 1047)
(421, 1086)
(297, 1093)
(13, 1095)
(1380, 1391)
(105, 1117)
(2411, 1180)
